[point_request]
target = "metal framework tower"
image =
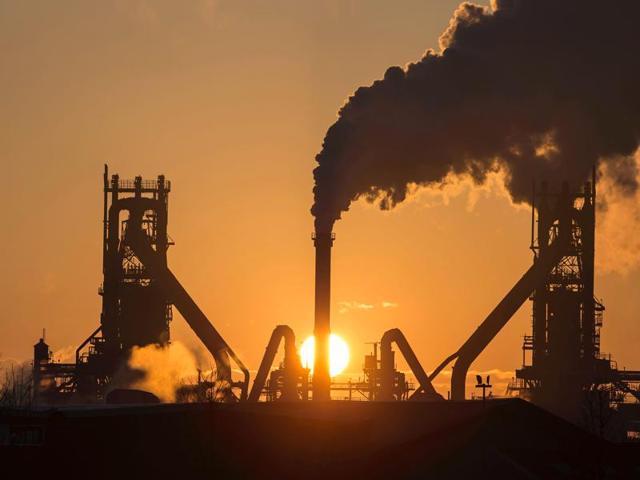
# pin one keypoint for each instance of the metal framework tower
(135, 311)
(565, 339)
(138, 293)
(563, 369)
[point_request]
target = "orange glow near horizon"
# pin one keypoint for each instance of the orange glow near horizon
(232, 102)
(338, 354)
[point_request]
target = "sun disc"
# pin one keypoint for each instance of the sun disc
(338, 353)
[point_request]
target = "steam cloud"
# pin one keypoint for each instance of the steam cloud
(347, 306)
(538, 89)
(163, 369)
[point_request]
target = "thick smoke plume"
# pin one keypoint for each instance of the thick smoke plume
(535, 89)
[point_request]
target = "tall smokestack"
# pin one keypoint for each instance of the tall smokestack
(323, 241)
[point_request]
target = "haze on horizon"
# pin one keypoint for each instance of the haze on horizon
(231, 101)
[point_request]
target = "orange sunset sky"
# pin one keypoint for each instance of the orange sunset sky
(231, 101)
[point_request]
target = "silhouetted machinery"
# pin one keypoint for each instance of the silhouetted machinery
(381, 382)
(563, 369)
(290, 381)
(566, 369)
(138, 292)
(567, 374)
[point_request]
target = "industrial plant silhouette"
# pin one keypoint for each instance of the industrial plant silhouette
(569, 405)
(546, 123)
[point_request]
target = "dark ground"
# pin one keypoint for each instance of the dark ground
(506, 439)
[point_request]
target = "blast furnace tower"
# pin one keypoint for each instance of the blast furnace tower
(138, 293)
(135, 310)
(563, 369)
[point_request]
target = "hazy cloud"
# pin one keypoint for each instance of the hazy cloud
(348, 306)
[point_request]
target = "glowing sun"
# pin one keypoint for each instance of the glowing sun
(338, 352)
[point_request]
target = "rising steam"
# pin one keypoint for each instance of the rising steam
(538, 89)
(162, 369)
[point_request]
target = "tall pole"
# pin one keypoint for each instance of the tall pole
(323, 242)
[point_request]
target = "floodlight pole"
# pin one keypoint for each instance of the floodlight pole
(484, 386)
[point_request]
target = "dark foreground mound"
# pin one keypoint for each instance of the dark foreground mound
(506, 439)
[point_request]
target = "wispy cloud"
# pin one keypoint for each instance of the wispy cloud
(351, 305)
(347, 306)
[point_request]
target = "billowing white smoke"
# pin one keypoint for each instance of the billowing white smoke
(163, 369)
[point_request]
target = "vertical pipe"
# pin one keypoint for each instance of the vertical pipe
(323, 242)
(539, 320)
(587, 225)
(533, 218)
(111, 268)
(105, 224)
(387, 369)
(162, 221)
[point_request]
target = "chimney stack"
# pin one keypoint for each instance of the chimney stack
(323, 242)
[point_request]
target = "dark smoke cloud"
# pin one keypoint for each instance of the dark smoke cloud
(537, 88)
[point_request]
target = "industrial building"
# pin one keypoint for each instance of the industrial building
(138, 294)
(563, 370)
